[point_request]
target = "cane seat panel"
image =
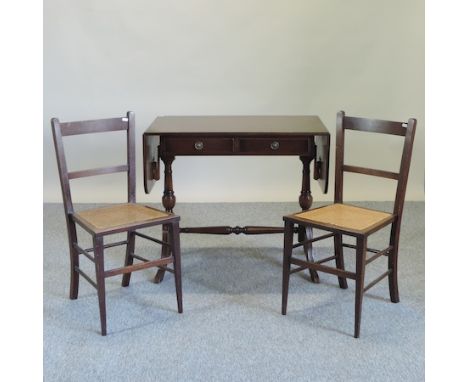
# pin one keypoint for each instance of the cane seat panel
(346, 217)
(108, 218)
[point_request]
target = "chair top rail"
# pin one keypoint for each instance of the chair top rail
(93, 126)
(375, 126)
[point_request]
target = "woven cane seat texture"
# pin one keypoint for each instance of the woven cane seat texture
(346, 217)
(122, 215)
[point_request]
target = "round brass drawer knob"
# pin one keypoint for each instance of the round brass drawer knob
(198, 145)
(274, 145)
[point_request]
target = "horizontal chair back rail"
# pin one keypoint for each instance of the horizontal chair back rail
(93, 126)
(372, 172)
(97, 171)
(375, 126)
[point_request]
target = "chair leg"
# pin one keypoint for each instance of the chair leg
(129, 257)
(287, 253)
(393, 263)
(361, 250)
(165, 252)
(338, 239)
(100, 281)
(74, 260)
(175, 243)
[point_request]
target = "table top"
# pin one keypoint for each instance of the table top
(272, 124)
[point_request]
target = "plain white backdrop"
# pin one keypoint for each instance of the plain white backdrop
(218, 57)
(21, 289)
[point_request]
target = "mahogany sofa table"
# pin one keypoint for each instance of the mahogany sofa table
(171, 136)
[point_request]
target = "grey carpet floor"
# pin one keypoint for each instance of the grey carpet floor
(231, 328)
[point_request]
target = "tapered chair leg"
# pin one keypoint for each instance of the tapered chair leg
(393, 264)
(100, 281)
(175, 244)
(361, 249)
(74, 275)
(287, 253)
(129, 257)
(393, 276)
(338, 241)
(165, 252)
(74, 260)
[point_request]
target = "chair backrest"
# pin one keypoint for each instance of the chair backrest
(404, 129)
(64, 129)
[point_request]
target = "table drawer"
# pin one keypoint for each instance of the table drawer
(198, 146)
(274, 146)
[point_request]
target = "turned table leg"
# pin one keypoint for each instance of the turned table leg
(168, 201)
(305, 201)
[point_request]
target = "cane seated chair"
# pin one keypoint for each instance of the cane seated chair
(103, 221)
(344, 219)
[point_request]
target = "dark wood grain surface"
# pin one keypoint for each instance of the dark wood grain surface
(287, 125)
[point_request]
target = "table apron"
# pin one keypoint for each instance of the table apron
(268, 145)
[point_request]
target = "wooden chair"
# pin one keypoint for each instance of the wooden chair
(100, 222)
(343, 219)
